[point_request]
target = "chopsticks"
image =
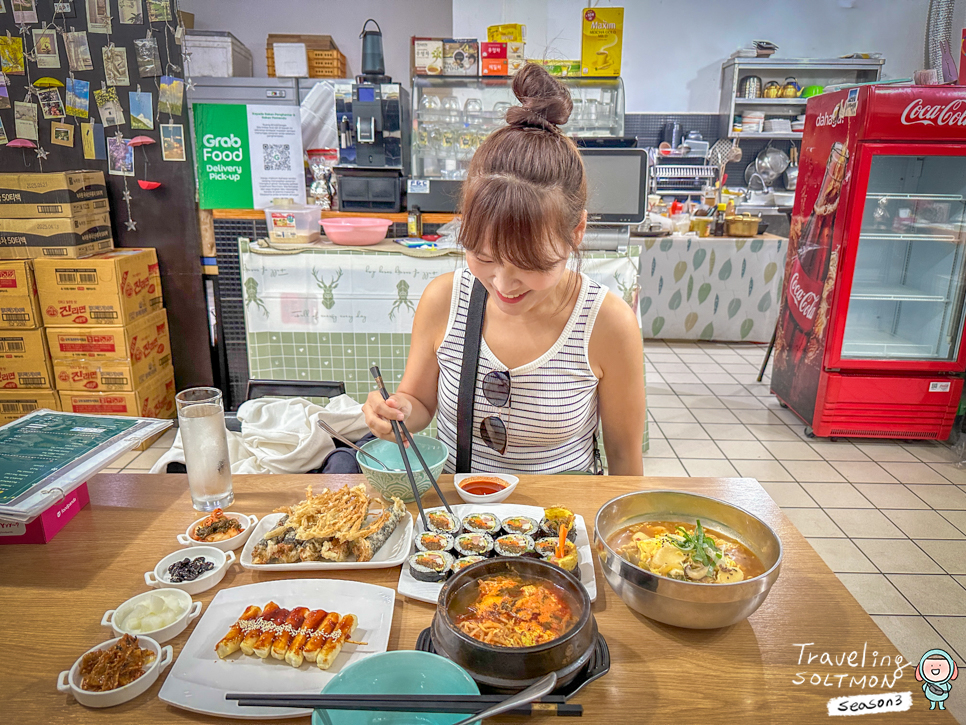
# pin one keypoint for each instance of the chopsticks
(396, 427)
(456, 704)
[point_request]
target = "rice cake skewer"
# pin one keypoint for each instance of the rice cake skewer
(334, 644)
(317, 642)
(251, 639)
(313, 619)
(263, 647)
(291, 627)
(231, 642)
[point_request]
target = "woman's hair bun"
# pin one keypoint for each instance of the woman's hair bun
(545, 101)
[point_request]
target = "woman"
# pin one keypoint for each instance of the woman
(559, 352)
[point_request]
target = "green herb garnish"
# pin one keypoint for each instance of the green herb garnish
(700, 547)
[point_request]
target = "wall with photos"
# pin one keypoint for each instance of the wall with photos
(82, 79)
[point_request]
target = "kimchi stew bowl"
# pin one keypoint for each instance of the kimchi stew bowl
(706, 603)
(563, 649)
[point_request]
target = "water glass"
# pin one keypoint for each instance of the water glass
(201, 418)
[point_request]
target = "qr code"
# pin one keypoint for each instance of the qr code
(278, 156)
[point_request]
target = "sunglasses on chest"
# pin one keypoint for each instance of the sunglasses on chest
(496, 390)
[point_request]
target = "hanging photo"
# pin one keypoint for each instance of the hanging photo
(142, 110)
(78, 97)
(4, 97)
(3, 132)
(159, 11)
(11, 55)
(51, 102)
(25, 120)
(92, 139)
(115, 66)
(130, 12)
(172, 91)
(24, 11)
(78, 51)
(61, 134)
(109, 107)
(99, 16)
(65, 9)
(120, 157)
(3, 8)
(45, 47)
(172, 142)
(149, 62)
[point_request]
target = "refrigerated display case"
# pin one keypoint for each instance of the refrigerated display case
(870, 340)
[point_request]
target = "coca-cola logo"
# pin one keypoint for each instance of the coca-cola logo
(806, 301)
(951, 114)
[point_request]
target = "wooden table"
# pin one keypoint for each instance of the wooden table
(52, 598)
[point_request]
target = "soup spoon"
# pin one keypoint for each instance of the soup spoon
(538, 689)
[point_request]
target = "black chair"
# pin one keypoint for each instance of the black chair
(285, 389)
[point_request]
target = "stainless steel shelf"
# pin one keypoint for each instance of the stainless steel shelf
(884, 237)
(767, 134)
(771, 101)
(919, 197)
(895, 293)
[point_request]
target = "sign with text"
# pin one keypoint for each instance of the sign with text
(248, 155)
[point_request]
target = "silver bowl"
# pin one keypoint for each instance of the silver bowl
(679, 603)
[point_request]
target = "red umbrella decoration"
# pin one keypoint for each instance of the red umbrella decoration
(144, 141)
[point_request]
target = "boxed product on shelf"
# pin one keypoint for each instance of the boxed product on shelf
(60, 194)
(154, 399)
(508, 32)
(559, 68)
(24, 360)
(19, 305)
(601, 39)
(115, 288)
(426, 56)
(461, 57)
(17, 403)
(105, 375)
(323, 55)
(137, 341)
(57, 238)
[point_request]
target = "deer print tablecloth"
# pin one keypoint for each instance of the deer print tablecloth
(711, 288)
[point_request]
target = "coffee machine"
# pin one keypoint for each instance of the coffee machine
(372, 118)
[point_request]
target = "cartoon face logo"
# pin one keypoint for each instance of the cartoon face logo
(936, 671)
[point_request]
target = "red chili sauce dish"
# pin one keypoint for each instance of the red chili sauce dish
(482, 485)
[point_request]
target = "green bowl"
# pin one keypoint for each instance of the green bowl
(397, 673)
(809, 91)
(395, 482)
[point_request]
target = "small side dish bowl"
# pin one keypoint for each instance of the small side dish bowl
(396, 673)
(235, 542)
(70, 680)
(395, 482)
(160, 579)
(509, 484)
(356, 231)
(114, 618)
(693, 605)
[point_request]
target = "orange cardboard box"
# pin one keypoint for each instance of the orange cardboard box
(148, 336)
(24, 360)
(17, 403)
(104, 375)
(116, 288)
(153, 400)
(19, 305)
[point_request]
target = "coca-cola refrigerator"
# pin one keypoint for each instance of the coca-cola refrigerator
(870, 336)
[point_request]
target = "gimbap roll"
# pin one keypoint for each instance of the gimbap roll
(568, 562)
(473, 544)
(553, 517)
(443, 522)
(520, 525)
(430, 566)
(432, 541)
(545, 546)
(482, 524)
(514, 545)
(466, 561)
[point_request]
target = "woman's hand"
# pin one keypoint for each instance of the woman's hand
(379, 412)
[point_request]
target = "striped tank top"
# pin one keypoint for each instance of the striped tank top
(552, 414)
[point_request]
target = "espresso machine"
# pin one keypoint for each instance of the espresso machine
(372, 118)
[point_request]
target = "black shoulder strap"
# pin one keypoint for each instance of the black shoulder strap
(471, 363)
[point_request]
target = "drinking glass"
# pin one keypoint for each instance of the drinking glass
(201, 417)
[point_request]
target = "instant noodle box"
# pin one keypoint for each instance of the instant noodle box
(17, 403)
(135, 342)
(152, 400)
(24, 360)
(19, 305)
(104, 375)
(115, 288)
(600, 42)
(57, 238)
(61, 194)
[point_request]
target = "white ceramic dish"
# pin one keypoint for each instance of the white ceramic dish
(199, 679)
(392, 553)
(511, 483)
(70, 680)
(114, 617)
(247, 523)
(160, 579)
(429, 591)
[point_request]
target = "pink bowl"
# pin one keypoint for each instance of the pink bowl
(356, 231)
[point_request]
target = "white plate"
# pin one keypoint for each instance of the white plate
(429, 591)
(392, 553)
(199, 679)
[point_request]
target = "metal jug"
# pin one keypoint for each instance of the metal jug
(791, 88)
(772, 89)
(750, 87)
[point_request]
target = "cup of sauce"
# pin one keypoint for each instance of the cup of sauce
(484, 488)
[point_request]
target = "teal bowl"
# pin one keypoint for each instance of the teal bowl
(397, 673)
(395, 482)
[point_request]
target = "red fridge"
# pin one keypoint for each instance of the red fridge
(870, 332)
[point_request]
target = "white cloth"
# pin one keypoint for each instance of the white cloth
(280, 435)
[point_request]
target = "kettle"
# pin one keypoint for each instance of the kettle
(791, 88)
(773, 89)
